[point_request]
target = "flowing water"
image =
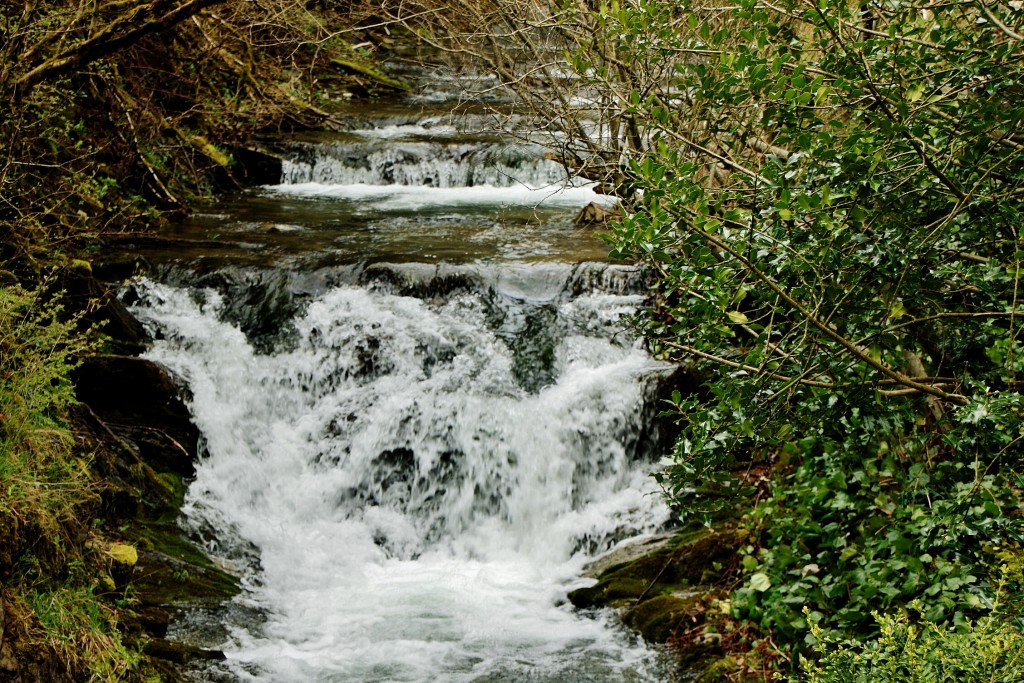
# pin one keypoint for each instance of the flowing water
(422, 412)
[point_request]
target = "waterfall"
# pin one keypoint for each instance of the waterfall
(410, 468)
(412, 166)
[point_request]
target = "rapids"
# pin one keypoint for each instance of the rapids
(422, 412)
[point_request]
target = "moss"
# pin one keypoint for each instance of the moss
(171, 570)
(720, 671)
(363, 68)
(607, 592)
(174, 486)
(658, 618)
(122, 553)
(208, 149)
(695, 557)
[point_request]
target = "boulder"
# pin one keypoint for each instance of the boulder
(596, 213)
(138, 401)
(99, 306)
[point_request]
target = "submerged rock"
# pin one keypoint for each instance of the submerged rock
(597, 214)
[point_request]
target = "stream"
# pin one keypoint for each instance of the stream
(423, 414)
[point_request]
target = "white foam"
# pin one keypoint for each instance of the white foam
(405, 197)
(418, 515)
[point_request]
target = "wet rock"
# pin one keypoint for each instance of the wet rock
(680, 567)
(657, 619)
(180, 653)
(597, 214)
(262, 303)
(100, 306)
(172, 571)
(255, 165)
(138, 401)
(627, 553)
(663, 587)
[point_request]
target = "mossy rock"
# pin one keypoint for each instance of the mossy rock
(695, 557)
(172, 571)
(607, 592)
(701, 561)
(658, 618)
(123, 554)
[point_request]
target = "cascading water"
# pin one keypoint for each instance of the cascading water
(411, 466)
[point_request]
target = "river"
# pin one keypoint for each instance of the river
(422, 411)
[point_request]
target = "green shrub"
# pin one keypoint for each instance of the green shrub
(45, 486)
(988, 650)
(41, 479)
(83, 630)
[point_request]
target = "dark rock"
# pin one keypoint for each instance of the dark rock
(668, 571)
(154, 620)
(99, 305)
(255, 166)
(180, 653)
(658, 619)
(261, 303)
(138, 400)
(172, 571)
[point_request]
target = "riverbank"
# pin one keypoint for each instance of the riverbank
(94, 562)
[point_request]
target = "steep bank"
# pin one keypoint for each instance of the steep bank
(93, 560)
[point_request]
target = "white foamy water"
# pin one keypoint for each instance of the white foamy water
(409, 486)
(419, 515)
(408, 197)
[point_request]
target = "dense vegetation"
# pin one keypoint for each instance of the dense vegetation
(831, 201)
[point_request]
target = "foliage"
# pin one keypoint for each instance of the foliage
(45, 486)
(42, 479)
(117, 108)
(84, 631)
(989, 650)
(844, 537)
(849, 295)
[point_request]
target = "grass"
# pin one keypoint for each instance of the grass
(46, 490)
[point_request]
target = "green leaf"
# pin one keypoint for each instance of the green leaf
(737, 317)
(760, 582)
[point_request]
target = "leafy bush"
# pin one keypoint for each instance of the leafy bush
(829, 198)
(844, 536)
(45, 486)
(989, 650)
(42, 480)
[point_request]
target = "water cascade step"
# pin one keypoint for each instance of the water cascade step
(409, 457)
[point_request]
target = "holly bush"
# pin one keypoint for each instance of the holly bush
(829, 198)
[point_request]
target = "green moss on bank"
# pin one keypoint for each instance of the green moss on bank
(172, 571)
